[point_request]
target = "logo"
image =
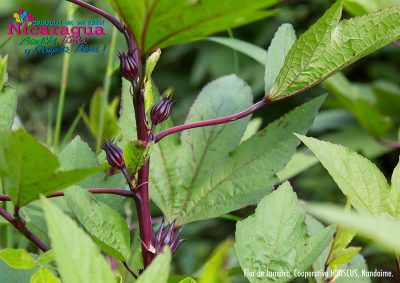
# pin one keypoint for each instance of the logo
(50, 37)
(23, 17)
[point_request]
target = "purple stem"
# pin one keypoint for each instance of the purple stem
(211, 122)
(130, 270)
(20, 226)
(102, 13)
(119, 192)
(142, 200)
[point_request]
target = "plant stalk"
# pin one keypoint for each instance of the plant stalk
(20, 226)
(212, 122)
(108, 191)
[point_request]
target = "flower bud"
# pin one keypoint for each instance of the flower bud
(160, 111)
(167, 235)
(113, 155)
(128, 66)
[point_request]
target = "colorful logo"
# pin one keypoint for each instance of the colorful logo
(23, 17)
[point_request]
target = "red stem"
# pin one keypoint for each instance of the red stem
(119, 192)
(211, 122)
(142, 195)
(102, 13)
(20, 226)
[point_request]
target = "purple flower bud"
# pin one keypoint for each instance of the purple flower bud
(128, 66)
(167, 235)
(160, 111)
(113, 155)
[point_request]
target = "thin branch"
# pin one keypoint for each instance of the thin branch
(20, 226)
(212, 122)
(108, 191)
(102, 13)
(130, 270)
(389, 143)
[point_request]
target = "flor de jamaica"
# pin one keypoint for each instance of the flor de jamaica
(73, 31)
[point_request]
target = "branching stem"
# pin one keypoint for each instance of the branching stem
(212, 122)
(20, 226)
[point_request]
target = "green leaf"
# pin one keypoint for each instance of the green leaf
(251, 50)
(213, 270)
(283, 40)
(187, 280)
(275, 238)
(358, 178)
(105, 225)
(151, 62)
(362, 7)
(136, 154)
(251, 129)
(44, 275)
(366, 113)
(11, 275)
(29, 169)
(78, 258)
(388, 97)
(330, 45)
(357, 264)
(8, 107)
(382, 230)
(158, 270)
(19, 259)
(254, 162)
(340, 253)
(3, 71)
(127, 122)
(46, 257)
(162, 23)
(213, 174)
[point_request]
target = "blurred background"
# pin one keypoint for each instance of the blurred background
(362, 111)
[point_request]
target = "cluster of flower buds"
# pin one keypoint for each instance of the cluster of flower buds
(113, 155)
(128, 66)
(167, 235)
(160, 111)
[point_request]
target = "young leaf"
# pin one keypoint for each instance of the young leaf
(44, 275)
(78, 258)
(362, 7)
(358, 178)
(158, 270)
(283, 40)
(162, 23)
(330, 45)
(103, 223)
(46, 258)
(275, 238)
(381, 230)
(8, 107)
(251, 50)
(3, 71)
(29, 169)
(136, 154)
(127, 121)
(340, 253)
(213, 270)
(19, 259)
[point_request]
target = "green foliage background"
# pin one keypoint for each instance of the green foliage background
(357, 121)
